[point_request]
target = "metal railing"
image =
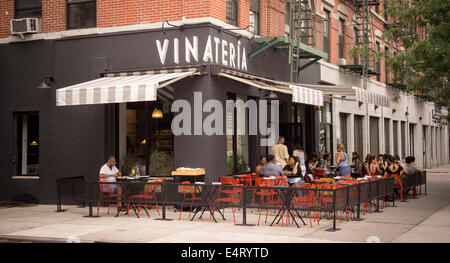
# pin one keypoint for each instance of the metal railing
(284, 201)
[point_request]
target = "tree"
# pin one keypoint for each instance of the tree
(421, 29)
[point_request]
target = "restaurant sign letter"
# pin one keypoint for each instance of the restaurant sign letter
(216, 50)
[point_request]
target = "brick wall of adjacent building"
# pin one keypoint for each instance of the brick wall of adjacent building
(272, 17)
(6, 14)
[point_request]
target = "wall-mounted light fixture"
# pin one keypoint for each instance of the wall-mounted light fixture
(46, 83)
(271, 96)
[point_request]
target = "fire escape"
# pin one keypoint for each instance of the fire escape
(300, 41)
(365, 65)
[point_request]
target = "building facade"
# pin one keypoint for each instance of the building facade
(80, 41)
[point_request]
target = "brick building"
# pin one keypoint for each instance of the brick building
(83, 40)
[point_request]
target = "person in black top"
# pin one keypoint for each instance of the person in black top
(382, 164)
(293, 169)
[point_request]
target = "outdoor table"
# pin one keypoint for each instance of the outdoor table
(208, 192)
(130, 187)
(286, 195)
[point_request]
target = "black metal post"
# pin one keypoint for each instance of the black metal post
(244, 207)
(334, 209)
(58, 196)
(90, 198)
(334, 213)
(164, 204)
(425, 177)
(359, 202)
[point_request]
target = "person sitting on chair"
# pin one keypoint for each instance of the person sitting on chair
(270, 168)
(109, 172)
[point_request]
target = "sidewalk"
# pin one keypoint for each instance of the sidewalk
(425, 219)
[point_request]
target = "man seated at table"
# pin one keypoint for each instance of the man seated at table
(270, 168)
(109, 172)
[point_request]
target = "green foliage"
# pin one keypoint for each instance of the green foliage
(129, 162)
(161, 163)
(423, 29)
(242, 166)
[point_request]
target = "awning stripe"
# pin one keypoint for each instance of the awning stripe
(299, 94)
(119, 89)
(306, 96)
(367, 96)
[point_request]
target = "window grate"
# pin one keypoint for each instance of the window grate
(343, 125)
(358, 136)
(374, 136)
(387, 139)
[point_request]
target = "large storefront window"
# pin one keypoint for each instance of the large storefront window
(148, 143)
(27, 144)
(238, 154)
(325, 129)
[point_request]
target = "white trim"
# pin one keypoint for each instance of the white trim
(106, 30)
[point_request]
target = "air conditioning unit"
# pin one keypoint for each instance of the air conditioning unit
(342, 62)
(286, 29)
(28, 25)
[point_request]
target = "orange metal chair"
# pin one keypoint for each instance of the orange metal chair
(106, 196)
(266, 196)
(319, 173)
(398, 184)
(309, 200)
(189, 195)
(228, 194)
(149, 193)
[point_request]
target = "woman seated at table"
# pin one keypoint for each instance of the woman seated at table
(293, 170)
(394, 169)
(373, 166)
(326, 161)
(314, 163)
(365, 168)
(262, 162)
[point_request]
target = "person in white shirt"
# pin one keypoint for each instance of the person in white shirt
(280, 152)
(109, 172)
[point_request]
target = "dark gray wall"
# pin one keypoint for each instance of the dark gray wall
(72, 138)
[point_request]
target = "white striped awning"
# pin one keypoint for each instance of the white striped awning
(306, 96)
(300, 94)
(117, 89)
(367, 96)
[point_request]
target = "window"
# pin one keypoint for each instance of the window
(287, 19)
(325, 130)
(387, 139)
(374, 136)
(27, 8)
(232, 12)
(144, 141)
(343, 126)
(395, 133)
(355, 43)
(412, 139)
(27, 144)
(377, 61)
(358, 134)
(326, 31)
(238, 154)
(386, 71)
(341, 38)
(81, 14)
(254, 16)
